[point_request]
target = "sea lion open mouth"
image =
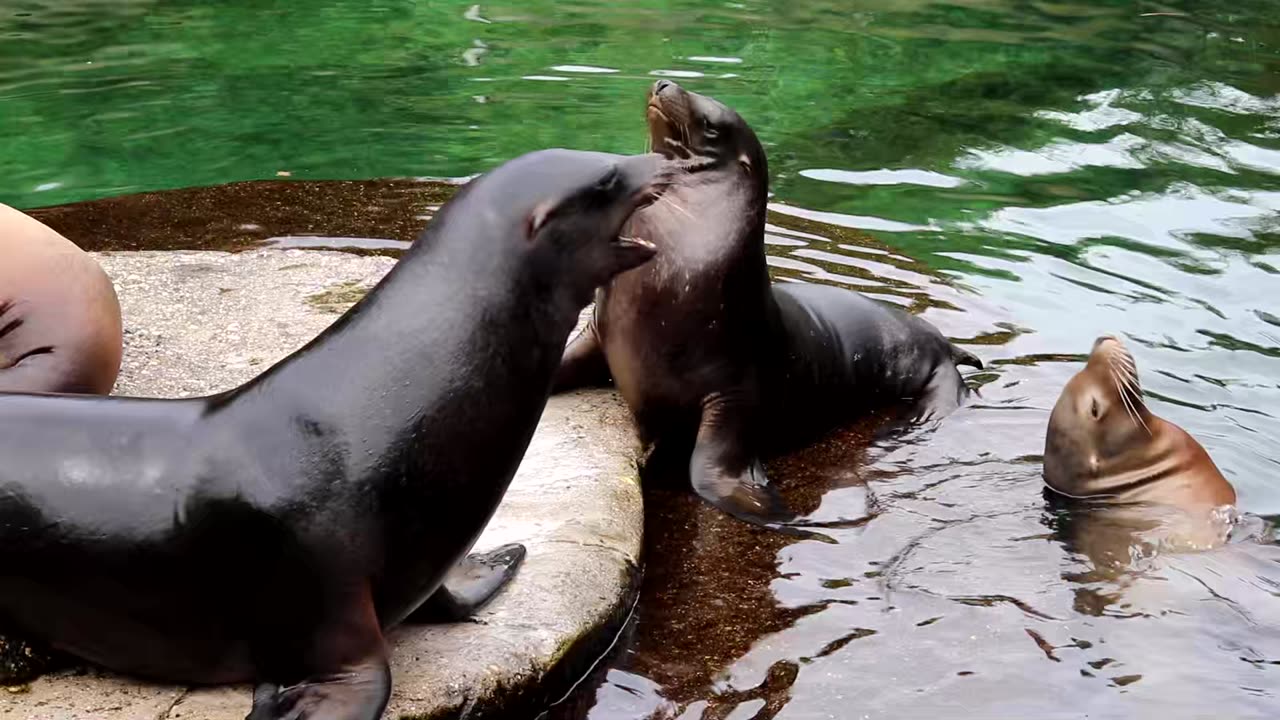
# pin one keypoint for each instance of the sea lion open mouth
(667, 119)
(692, 340)
(655, 108)
(87, 548)
(634, 242)
(650, 194)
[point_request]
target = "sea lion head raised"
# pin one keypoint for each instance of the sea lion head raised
(1099, 417)
(1104, 443)
(559, 213)
(703, 133)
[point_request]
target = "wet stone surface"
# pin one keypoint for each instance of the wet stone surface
(200, 322)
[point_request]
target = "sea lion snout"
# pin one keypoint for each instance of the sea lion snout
(1104, 340)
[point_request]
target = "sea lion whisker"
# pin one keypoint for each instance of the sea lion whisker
(1134, 390)
(1131, 383)
(668, 200)
(1129, 366)
(1129, 406)
(1122, 365)
(1120, 391)
(676, 146)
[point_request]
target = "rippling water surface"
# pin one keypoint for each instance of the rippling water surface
(1027, 174)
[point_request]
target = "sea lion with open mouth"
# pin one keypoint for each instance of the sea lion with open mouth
(718, 366)
(272, 532)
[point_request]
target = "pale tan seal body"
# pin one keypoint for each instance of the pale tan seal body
(60, 328)
(1104, 444)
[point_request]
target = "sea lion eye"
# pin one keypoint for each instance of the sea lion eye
(610, 181)
(1093, 408)
(709, 131)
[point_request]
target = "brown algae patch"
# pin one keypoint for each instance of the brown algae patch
(338, 298)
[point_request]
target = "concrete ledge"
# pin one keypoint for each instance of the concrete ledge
(199, 322)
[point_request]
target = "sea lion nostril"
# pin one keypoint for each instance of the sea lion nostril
(661, 85)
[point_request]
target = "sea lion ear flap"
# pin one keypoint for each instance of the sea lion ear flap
(538, 217)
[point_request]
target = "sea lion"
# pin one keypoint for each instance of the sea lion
(270, 533)
(60, 328)
(1104, 444)
(718, 366)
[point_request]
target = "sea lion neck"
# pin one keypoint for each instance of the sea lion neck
(419, 340)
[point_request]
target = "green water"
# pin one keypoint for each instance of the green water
(1032, 173)
(1086, 166)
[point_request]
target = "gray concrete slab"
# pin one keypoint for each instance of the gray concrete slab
(199, 322)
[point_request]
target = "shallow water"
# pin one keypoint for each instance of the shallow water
(1027, 174)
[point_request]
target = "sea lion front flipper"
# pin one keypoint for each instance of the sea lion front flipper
(354, 692)
(469, 585)
(583, 363)
(728, 475)
(345, 677)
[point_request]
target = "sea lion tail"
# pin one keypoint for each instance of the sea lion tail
(960, 356)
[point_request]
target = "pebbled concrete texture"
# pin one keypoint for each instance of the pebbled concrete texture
(200, 322)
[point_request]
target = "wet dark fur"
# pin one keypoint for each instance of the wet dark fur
(271, 532)
(719, 366)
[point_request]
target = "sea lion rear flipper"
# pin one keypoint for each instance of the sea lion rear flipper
(960, 356)
(583, 363)
(469, 585)
(729, 476)
(347, 674)
(944, 393)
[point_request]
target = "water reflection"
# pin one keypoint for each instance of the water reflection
(963, 586)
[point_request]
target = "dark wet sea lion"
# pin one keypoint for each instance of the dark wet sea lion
(60, 328)
(271, 532)
(1105, 445)
(718, 366)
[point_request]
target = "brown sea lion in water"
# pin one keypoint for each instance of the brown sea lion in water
(60, 328)
(1104, 443)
